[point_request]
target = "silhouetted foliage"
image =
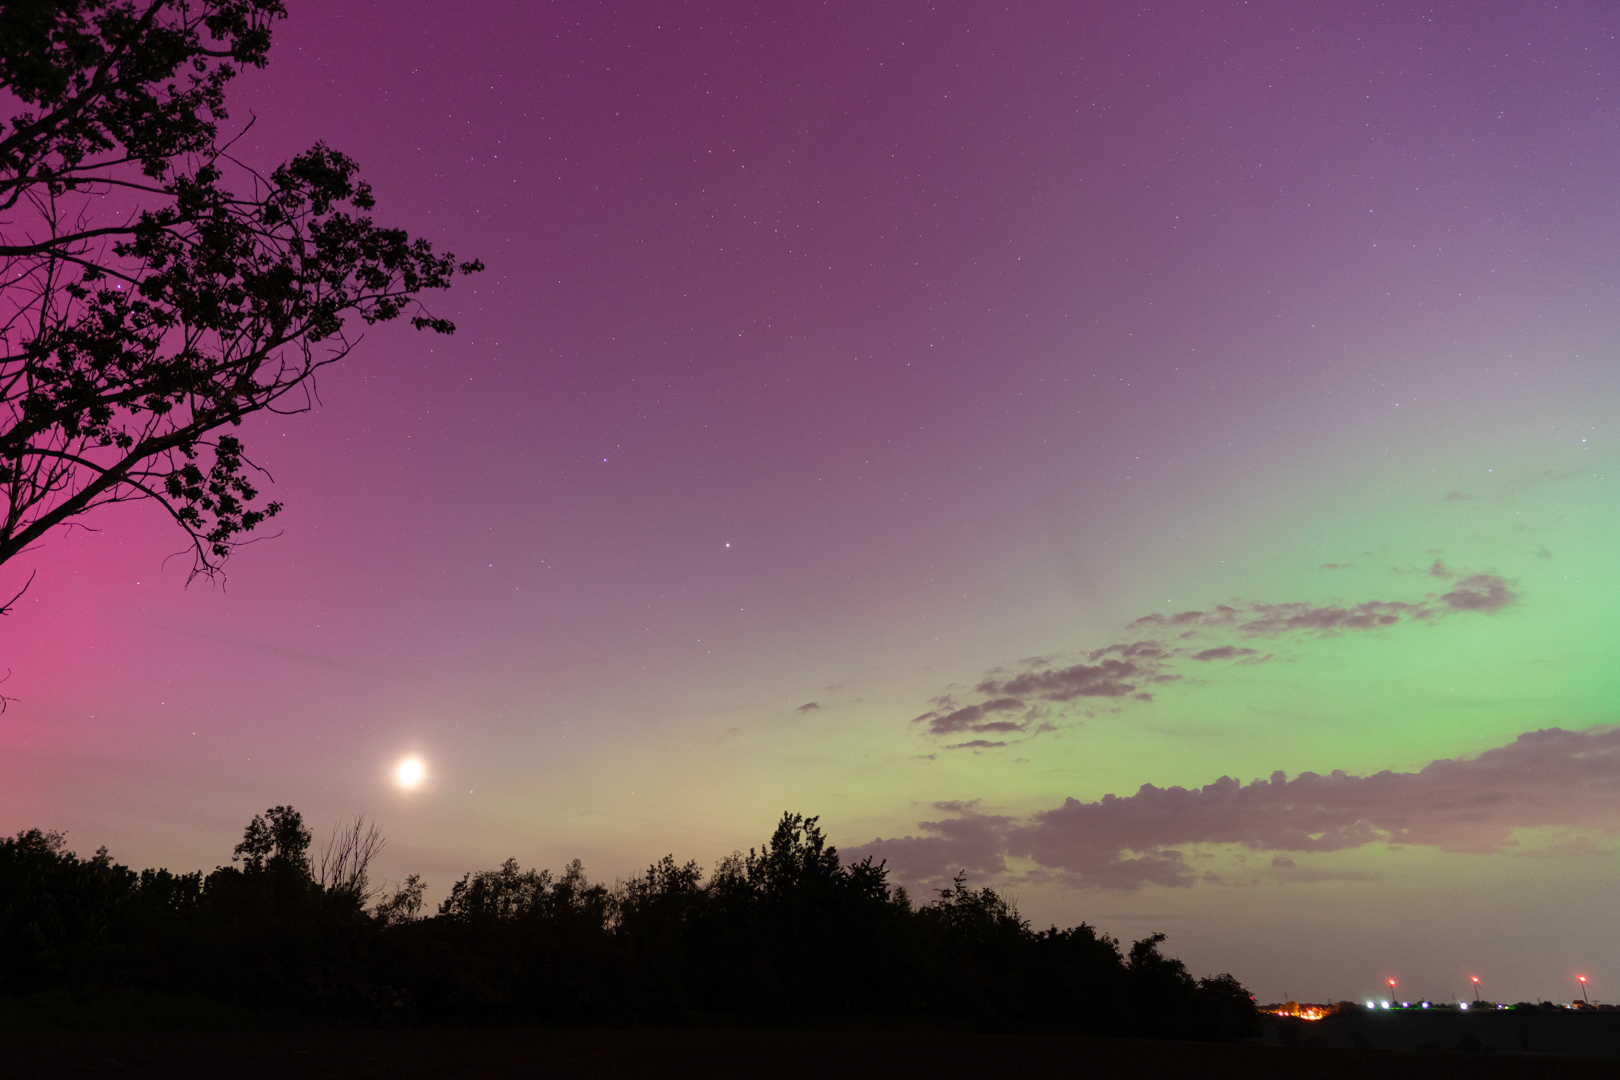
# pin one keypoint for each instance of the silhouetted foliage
(56, 910)
(155, 290)
(784, 935)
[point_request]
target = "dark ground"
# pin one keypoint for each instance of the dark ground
(1590, 1035)
(607, 1054)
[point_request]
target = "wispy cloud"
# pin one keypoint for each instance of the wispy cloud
(1019, 703)
(1547, 778)
(1111, 678)
(1224, 652)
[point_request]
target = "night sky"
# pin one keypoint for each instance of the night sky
(946, 419)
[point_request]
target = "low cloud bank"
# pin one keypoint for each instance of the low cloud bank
(1544, 778)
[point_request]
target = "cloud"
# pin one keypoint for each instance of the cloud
(971, 717)
(1121, 672)
(1269, 620)
(1481, 592)
(280, 651)
(1107, 679)
(1457, 496)
(809, 706)
(970, 841)
(1307, 875)
(1580, 847)
(1548, 778)
(1225, 652)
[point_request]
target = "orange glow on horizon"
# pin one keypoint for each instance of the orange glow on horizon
(1302, 1012)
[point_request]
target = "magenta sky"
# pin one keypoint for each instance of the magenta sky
(838, 367)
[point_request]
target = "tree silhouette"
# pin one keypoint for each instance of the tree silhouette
(342, 872)
(275, 841)
(784, 936)
(155, 290)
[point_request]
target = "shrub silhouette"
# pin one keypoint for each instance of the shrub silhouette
(785, 935)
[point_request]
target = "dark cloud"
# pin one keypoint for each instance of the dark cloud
(1269, 620)
(1135, 650)
(1107, 679)
(1120, 672)
(1336, 566)
(1225, 652)
(968, 718)
(809, 706)
(970, 841)
(1457, 496)
(1221, 615)
(976, 744)
(1481, 592)
(1548, 778)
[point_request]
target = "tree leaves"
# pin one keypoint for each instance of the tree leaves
(126, 344)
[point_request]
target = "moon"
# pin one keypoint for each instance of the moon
(410, 773)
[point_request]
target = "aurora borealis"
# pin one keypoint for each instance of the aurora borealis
(938, 418)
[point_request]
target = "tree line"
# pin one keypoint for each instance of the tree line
(786, 935)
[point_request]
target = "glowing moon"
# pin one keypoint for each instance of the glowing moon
(410, 773)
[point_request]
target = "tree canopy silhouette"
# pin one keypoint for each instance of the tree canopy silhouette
(784, 936)
(154, 289)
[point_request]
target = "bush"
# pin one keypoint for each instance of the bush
(783, 936)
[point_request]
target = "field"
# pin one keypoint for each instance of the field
(609, 1054)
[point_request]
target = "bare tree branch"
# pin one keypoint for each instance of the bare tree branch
(342, 868)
